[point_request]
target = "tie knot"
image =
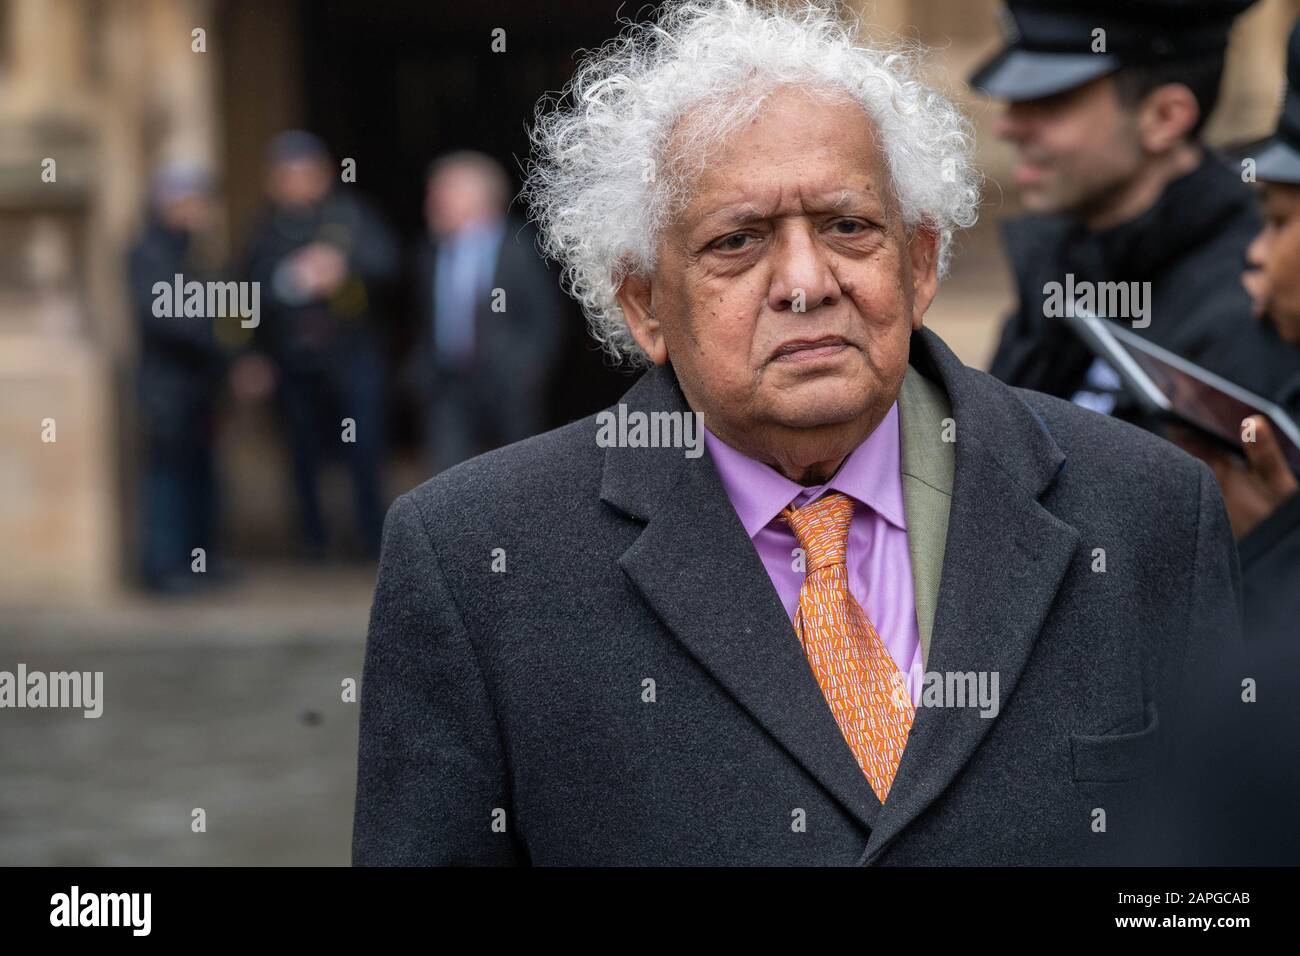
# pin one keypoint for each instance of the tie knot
(822, 529)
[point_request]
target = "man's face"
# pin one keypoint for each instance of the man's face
(454, 198)
(1274, 256)
(189, 213)
(298, 183)
(786, 290)
(1074, 150)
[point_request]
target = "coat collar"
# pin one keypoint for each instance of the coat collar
(1006, 555)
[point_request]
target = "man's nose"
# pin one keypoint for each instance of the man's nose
(1257, 251)
(802, 278)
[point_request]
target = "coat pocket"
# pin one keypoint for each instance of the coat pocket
(1111, 758)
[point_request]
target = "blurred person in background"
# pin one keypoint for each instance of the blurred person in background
(1260, 491)
(1228, 795)
(177, 384)
(489, 313)
(323, 258)
(1106, 104)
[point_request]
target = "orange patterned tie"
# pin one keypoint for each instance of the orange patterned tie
(863, 686)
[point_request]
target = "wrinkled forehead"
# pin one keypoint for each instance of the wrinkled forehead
(459, 174)
(773, 150)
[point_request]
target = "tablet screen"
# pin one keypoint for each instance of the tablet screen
(1196, 396)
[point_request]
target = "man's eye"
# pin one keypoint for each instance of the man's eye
(734, 242)
(847, 227)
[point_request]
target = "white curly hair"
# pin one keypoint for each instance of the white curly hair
(601, 188)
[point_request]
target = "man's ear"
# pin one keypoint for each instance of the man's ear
(634, 297)
(923, 253)
(1166, 117)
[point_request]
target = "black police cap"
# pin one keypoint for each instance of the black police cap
(1280, 159)
(1054, 45)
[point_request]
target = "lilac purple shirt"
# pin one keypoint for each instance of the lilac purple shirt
(879, 563)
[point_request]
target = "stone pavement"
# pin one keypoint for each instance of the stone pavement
(230, 703)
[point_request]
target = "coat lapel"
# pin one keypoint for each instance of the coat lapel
(1005, 558)
(695, 566)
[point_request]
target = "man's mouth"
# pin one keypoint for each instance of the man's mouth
(1028, 172)
(810, 350)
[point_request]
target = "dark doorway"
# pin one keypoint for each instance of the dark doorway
(394, 83)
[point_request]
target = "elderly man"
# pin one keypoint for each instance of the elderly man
(889, 610)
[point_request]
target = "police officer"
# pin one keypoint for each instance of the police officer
(322, 258)
(1105, 107)
(177, 384)
(1262, 492)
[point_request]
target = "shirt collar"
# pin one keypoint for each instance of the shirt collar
(482, 231)
(871, 474)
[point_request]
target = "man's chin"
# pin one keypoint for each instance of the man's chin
(1285, 322)
(821, 404)
(1053, 200)
(1038, 200)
